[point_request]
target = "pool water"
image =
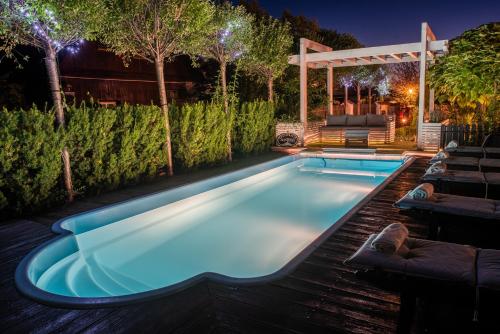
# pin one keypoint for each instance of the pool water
(248, 228)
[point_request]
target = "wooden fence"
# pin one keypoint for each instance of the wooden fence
(470, 135)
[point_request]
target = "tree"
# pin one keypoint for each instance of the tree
(366, 77)
(404, 82)
(270, 47)
(469, 75)
(54, 26)
(157, 31)
(346, 79)
(227, 42)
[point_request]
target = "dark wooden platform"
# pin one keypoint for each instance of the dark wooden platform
(321, 296)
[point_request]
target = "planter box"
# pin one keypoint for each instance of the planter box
(431, 136)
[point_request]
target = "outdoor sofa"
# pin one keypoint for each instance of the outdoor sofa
(379, 129)
(428, 268)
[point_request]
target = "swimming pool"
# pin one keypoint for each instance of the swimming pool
(242, 227)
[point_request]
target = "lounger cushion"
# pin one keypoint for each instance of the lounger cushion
(456, 176)
(465, 149)
(492, 178)
(424, 258)
(441, 260)
(356, 120)
(367, 257)
(336, 120)
(488, 269)
(454, 205)
(488, 162)
(462, 161)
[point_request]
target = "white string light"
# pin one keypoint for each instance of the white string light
(49, 24)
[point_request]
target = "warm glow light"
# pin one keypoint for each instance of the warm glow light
(410, 91)
(404, 120)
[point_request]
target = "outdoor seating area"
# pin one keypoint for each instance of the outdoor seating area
(369, 129)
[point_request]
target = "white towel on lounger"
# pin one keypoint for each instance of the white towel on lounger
(422, 192)
(441, 155)
(452, 144)
(391, 238)
(438, 167)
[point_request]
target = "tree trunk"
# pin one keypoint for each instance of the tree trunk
(369, 100)
(55, 89)
(226, 109)
(346, 98)
(160, 78)
(270, 94)
(358, 90)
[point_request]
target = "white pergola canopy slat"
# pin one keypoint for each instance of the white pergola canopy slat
(424, 51)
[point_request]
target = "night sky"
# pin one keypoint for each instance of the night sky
(389, 21)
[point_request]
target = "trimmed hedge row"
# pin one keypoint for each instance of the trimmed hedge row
(113, 147)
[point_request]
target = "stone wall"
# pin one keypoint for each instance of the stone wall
(296, 128)
(311, 134)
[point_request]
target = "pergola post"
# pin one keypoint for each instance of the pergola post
(303, 82)
(427, 36)
(329, 84)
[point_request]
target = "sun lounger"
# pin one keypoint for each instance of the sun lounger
(489, 148)
(455, 218)
(421, 264)
(467, 163)
(453, 205)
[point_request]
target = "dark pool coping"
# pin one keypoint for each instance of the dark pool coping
(28, 289)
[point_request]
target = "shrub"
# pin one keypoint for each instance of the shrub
(254, 127)
(113, 147)
(199, 134)
(30, 160)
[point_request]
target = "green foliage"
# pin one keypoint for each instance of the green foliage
(199, 134)
(110, 147)
(270, 47)
(230, 35)
(30, 162)
(469, 76)
(60, 23)
(113, 147)
(157, 29)
(254, 127)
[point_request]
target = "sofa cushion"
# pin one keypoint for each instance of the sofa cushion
(336, 120)
(375, 120)
(356, 120)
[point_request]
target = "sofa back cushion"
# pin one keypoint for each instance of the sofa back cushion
(375, 120)
(336, 120)
(356, 120)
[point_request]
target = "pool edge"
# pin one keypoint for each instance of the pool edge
(28, 289)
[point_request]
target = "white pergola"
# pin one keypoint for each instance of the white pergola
(324, 57)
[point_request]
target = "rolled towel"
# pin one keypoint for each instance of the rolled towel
(441, 155)
(422, 192)
(390, 239)
(436, 168)
(452, 144)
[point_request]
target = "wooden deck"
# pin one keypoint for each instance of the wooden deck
(322, 295)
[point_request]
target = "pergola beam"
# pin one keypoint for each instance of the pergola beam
(375, 52)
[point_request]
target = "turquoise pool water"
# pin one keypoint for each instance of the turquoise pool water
(250, 227)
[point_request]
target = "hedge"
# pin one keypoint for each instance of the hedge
(113, 147)
(254, 127)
